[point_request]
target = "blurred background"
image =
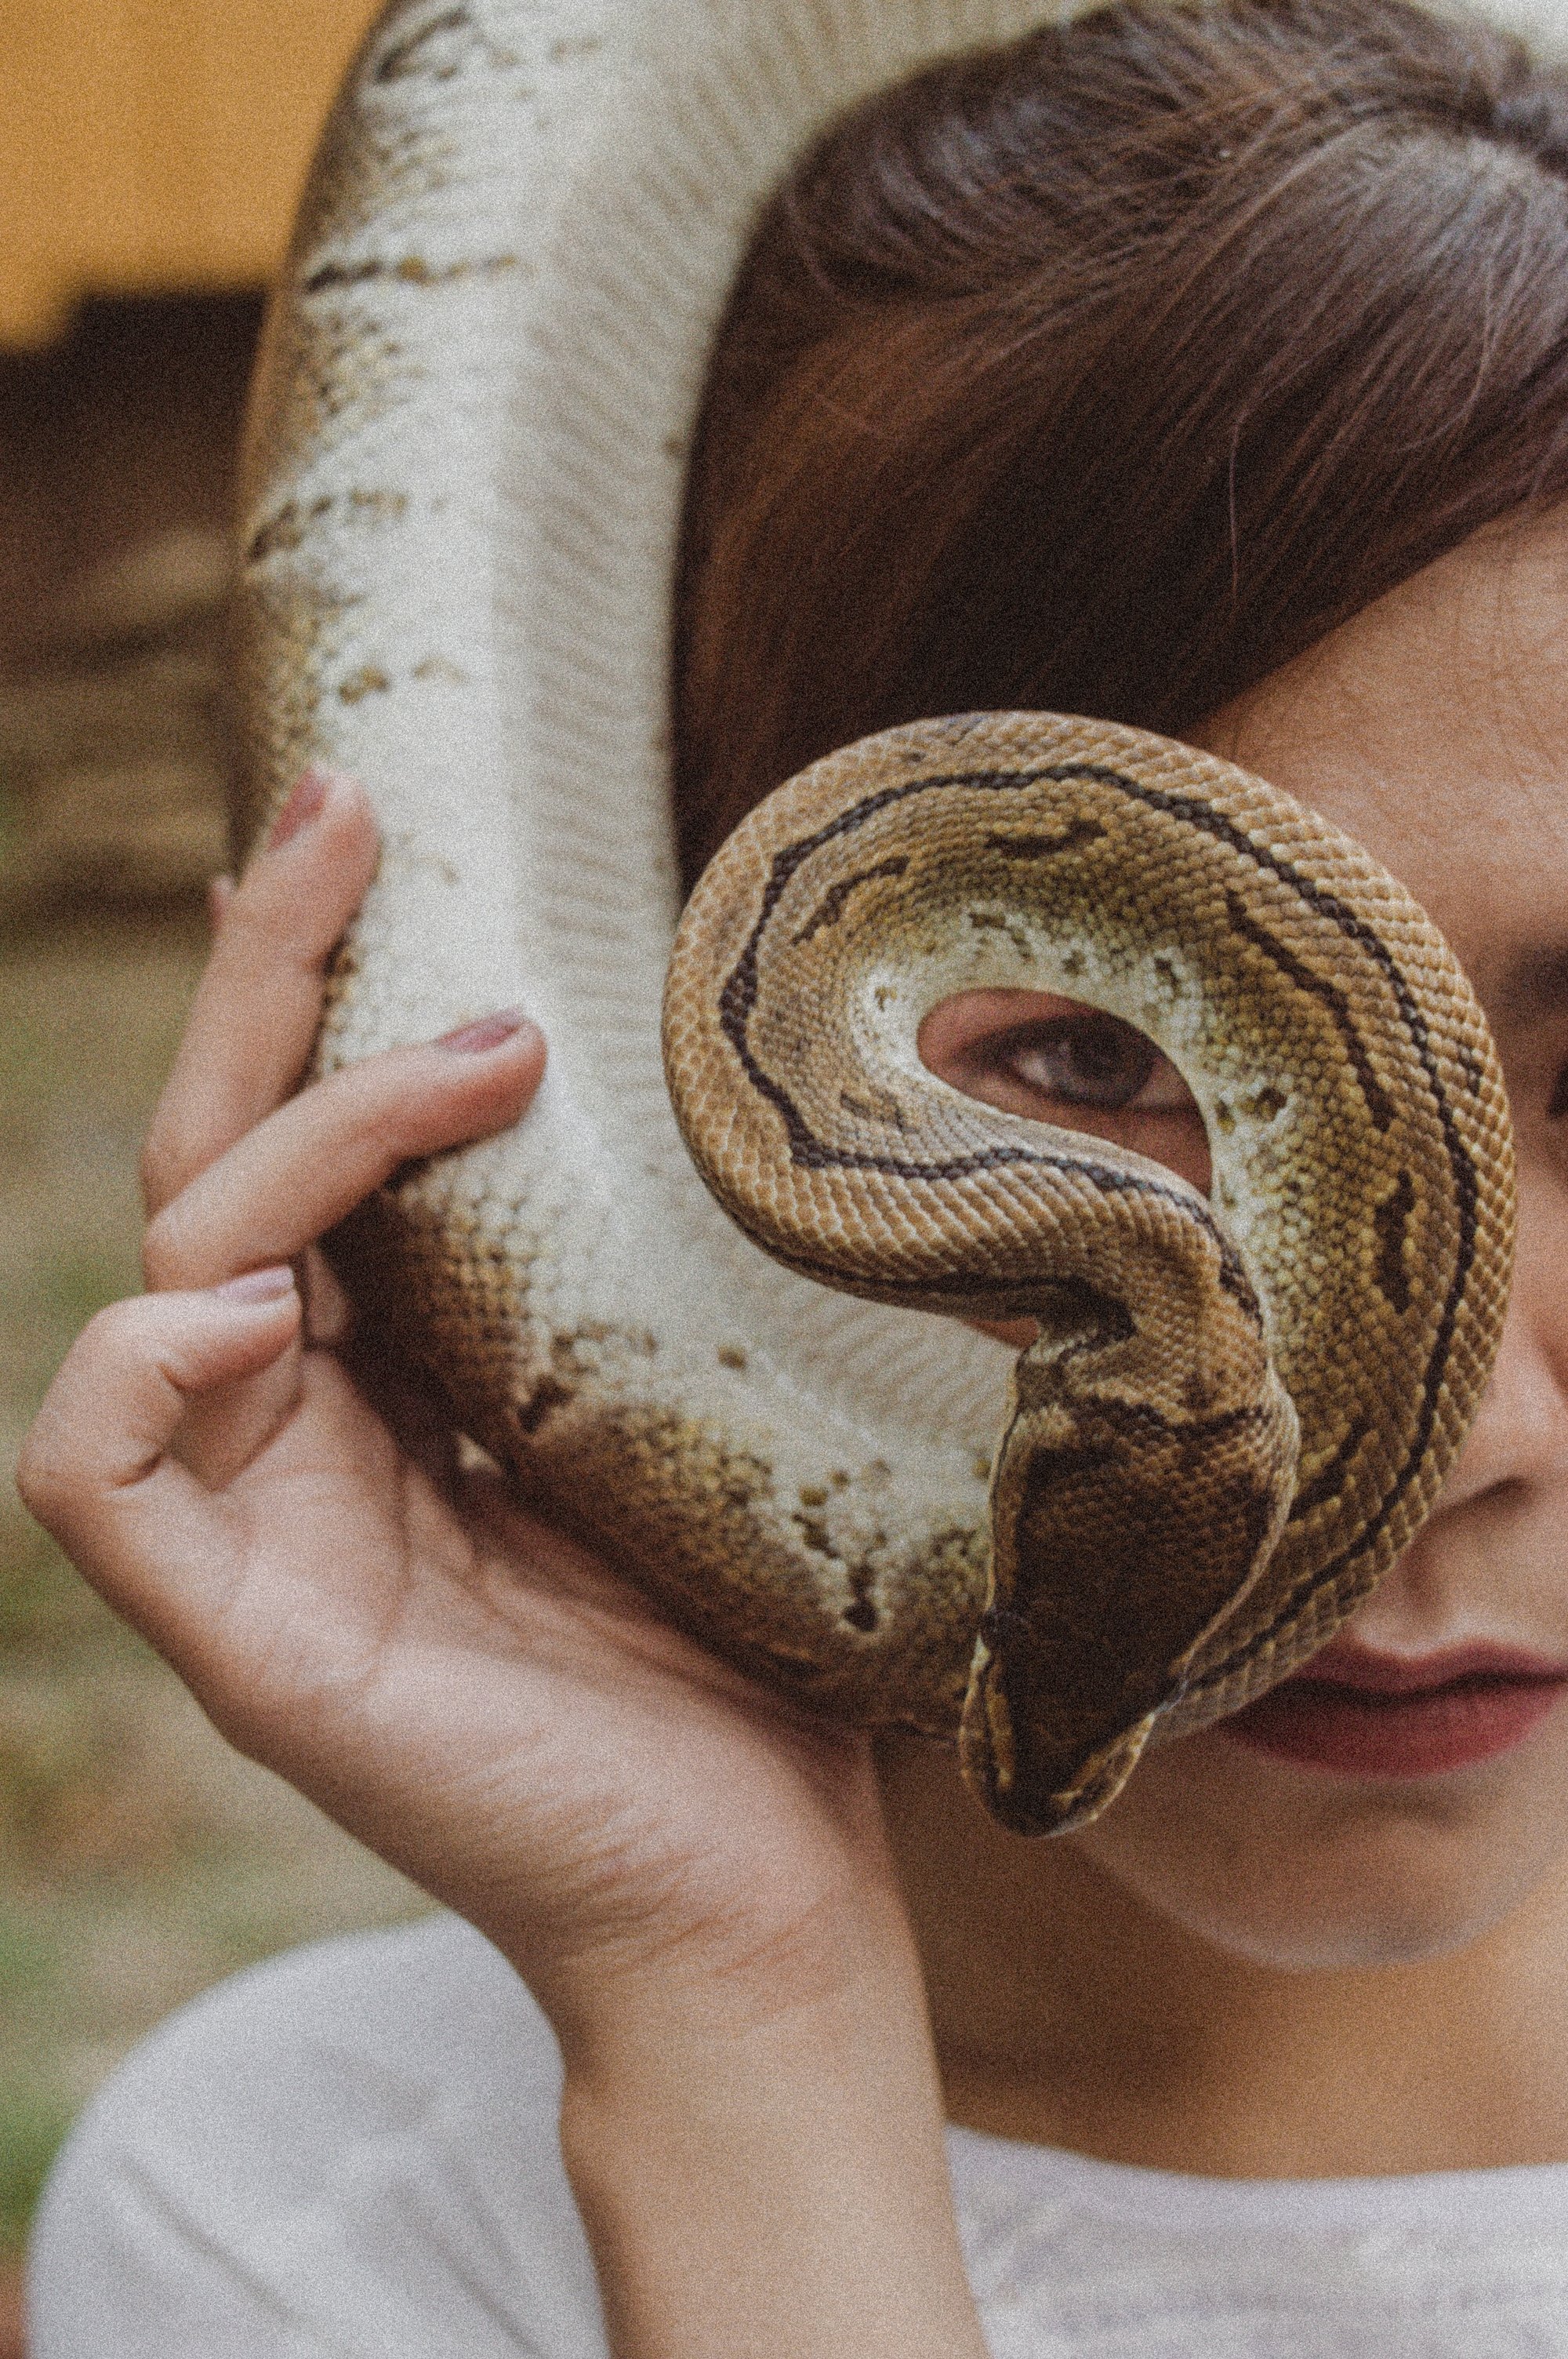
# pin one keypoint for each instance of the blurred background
(152, 154)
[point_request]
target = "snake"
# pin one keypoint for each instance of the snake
(1236, 1413)
(460, 509)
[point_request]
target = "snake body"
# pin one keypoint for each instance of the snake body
(460, 515)
(1235, 1414)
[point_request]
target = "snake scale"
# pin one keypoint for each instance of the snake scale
(462, 501)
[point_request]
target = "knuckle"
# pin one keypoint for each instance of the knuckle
(374, 1104)
(391, 1134)
(41, 1473)
(156, 1169)
(164, 1252)
(111, 1334)
(252, 918)
(50, 1476)
(272, 920)
(243, 1718)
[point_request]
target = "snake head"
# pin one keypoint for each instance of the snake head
(1142, 1483)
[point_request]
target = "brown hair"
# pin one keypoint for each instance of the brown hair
(1105, 372)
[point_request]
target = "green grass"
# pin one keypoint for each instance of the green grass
(35, 2112)
(33, 2125)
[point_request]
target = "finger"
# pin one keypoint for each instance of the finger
(258, 1006)
(305, 1166)
(96, 1468)
(220, 893)
(231, 1423)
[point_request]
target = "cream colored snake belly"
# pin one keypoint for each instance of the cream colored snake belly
(1235, 1415)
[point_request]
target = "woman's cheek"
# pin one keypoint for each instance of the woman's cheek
(1178, 1140)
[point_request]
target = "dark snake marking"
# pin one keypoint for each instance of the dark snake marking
(738, 997)
(410, 269)
(889, 1112)
(407, 57)
(1333, 998)
(1391, 1221)
(1007, 1628)
(831, 906)
(1042, 847)
(1131, 1419)
(1325, 1482)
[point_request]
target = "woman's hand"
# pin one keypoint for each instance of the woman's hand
(691, 1874)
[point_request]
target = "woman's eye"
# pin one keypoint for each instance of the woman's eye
(1089, 1060)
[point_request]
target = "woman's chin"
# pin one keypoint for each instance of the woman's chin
(1406, 1844)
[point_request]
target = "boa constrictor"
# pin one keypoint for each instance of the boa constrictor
(462, 501)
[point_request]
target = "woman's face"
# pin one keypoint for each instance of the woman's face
(1418, 1796)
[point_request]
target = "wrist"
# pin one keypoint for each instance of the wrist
(776, 2185)
(757, 2151)
(830, 2009)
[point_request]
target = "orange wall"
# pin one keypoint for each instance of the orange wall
(150, 145)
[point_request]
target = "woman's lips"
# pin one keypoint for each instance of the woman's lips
(1371, 1715)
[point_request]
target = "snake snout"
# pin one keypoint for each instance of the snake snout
(1129, 1513)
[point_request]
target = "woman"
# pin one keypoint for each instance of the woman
(1206, 369)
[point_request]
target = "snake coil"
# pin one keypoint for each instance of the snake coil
(463, 493)
(1234, 1418)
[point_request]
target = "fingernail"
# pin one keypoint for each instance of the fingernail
(258, 1284)
(473, 1039)
(302, 806)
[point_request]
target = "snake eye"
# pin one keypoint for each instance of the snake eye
(1088, 1058)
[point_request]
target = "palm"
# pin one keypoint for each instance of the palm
(474, 1695)
(419, 1659)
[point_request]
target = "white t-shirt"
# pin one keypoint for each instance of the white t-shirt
(353, 2150)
